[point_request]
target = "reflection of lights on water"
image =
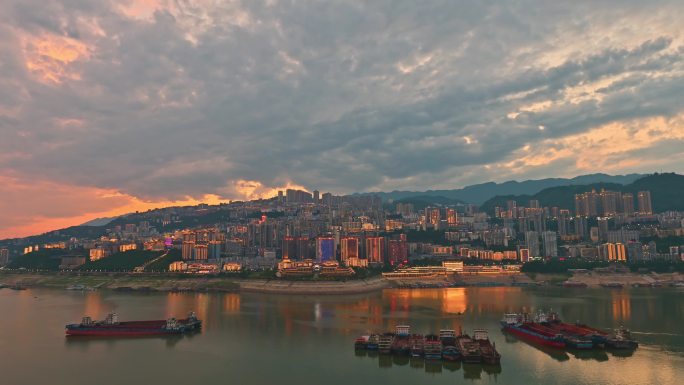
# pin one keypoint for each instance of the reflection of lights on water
(317, 311)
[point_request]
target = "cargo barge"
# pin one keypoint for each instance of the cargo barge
(112, 327)
(447, 345)
(522, 326)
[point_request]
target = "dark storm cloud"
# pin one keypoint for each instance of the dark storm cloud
(187, 99)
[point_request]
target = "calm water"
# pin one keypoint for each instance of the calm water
(265, 339)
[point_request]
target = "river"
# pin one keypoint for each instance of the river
(280, 339)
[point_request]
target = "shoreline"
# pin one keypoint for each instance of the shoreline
(131, 282)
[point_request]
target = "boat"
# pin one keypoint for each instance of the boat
(417, 342)
(448, 337)
(487, 348)
(385, 343)
(432, 347)
(373, 342)
(401, 344)
(577, 335)
(361, 342)
(469, 348)
(522, 326)
(621, 339)
(451, 353)
(111, 326)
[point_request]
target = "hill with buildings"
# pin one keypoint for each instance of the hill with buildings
(667, 193)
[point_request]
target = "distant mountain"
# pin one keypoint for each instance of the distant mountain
(667, 193)
(99, 221)
(480, 193)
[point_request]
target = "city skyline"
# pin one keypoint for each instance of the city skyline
(111, 108)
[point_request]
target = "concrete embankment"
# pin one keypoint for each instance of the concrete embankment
(319, 287)
(145, 282)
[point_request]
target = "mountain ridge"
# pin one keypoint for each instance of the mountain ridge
(481, 192)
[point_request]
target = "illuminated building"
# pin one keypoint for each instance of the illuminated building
(375, 249)
(127, 247)
(620, 252)
(398, 250)
(349, 248)
(187, 250)
(201, 252)
(628, 204)
(524, 255)
(325, 249)
(607, 252)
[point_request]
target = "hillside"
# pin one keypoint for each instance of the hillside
(480, 193)
(667, 193)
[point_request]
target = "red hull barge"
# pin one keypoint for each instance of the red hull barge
(111, 327)
(520, 325)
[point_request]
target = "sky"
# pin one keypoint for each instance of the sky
(112, 107)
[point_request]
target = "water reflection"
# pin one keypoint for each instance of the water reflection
(252, 330)
(470, 371)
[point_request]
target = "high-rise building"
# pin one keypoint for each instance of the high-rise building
(452, 217)
(581, 227)
(201, 252)
(297, 196)
(564, 222)
(215, 248)
(532, 243)
(187, 250)
(610, 201)
(628, 204)
(349, 248)
(620, 252)
(644, 199)
(586, 204)
(603, 229)
(432, 216)
(398, 250)
(635, 251)
(550, 244)
(296, 248)
(325, 249)
(534, 204)
(316, 196)
(4, 256)
(375, 249)
(607, 252)
(289, 248)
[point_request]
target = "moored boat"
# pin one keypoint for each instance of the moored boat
(361, 342)
(432, 347)
(521, 326)
(111, 326)
(401, 344)
(417, 342)
(373, 342)
(385, 343)
(487, 348)
(469, 348)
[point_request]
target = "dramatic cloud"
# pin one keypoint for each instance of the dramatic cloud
(160, 101)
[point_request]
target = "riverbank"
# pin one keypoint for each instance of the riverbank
(147, 282)
(194, 283)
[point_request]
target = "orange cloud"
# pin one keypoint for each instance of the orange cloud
(50, 57)
(602, 148)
